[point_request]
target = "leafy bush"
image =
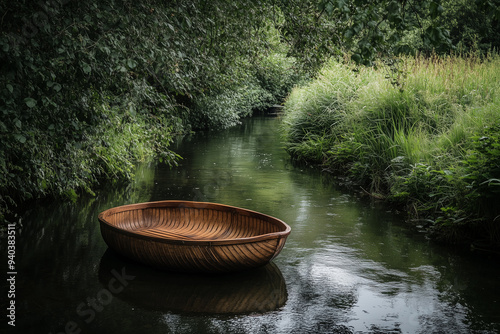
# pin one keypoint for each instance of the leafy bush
(226, 109)
(250, 87)
(88, 88)
(482, 173)
(76, 98)
(474, 25)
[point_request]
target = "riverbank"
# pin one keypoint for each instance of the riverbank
(426, 140)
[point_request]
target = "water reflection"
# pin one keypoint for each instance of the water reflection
(258, 291)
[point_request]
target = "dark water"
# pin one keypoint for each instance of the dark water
(348, 266)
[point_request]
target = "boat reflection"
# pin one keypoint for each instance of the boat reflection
(257, 291)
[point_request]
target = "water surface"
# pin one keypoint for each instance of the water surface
(349, 265)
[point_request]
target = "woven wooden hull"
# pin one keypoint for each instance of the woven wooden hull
(260, 290)
(193, 236)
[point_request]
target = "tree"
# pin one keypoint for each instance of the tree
(363, 29)
(473, 25)
(89, 87)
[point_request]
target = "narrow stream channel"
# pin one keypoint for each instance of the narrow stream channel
(349, 265)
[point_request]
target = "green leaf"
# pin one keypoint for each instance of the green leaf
(17, 122)
(30, 102)
(20, 138)
(435, 9)
(71, 195)
(131, 63)
(57, 87)
(349, 33)
(10, 88)
(86, 68)
(330, 8)
(131, 110)
(357, 27)
(393, 8)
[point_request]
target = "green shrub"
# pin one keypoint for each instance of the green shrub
(89, 88)
(248, 88)
(482, 173)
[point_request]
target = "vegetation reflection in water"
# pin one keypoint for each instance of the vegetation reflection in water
(348, 265)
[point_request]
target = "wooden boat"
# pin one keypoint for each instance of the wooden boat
(193, 236)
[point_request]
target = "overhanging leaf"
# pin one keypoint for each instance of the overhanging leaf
(356, 58)
(131, 63)
(20, 138)
(86, 68)
(30, 102)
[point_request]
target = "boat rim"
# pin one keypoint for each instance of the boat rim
(199, 205)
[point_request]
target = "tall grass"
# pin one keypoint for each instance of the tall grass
(316, 111)
(421, 142)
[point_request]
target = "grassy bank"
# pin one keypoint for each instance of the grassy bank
(429, 140)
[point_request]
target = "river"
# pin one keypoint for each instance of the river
(348, 266)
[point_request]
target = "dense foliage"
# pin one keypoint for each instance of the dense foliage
(362, 30)
(88, 88)
(432, 145)
(472, 25)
